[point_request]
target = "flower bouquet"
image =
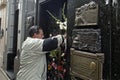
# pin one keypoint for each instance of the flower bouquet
(57, 63)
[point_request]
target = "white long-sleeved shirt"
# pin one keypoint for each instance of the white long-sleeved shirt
(33, 58)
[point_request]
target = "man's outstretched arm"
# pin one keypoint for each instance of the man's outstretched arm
(52, 43)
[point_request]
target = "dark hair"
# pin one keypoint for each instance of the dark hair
(34, 29)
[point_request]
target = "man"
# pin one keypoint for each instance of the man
(33, 58)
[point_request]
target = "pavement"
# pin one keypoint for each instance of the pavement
(3, 75)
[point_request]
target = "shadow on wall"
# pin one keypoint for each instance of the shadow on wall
(1, 33)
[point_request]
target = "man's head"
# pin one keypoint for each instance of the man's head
(36, 32)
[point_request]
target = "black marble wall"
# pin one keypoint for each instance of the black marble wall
(115, 40)
(109, 24)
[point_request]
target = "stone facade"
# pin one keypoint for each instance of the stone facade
(2, 29)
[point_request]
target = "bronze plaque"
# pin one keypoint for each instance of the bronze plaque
(86, 65)
(86, 14)
(87, 40)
